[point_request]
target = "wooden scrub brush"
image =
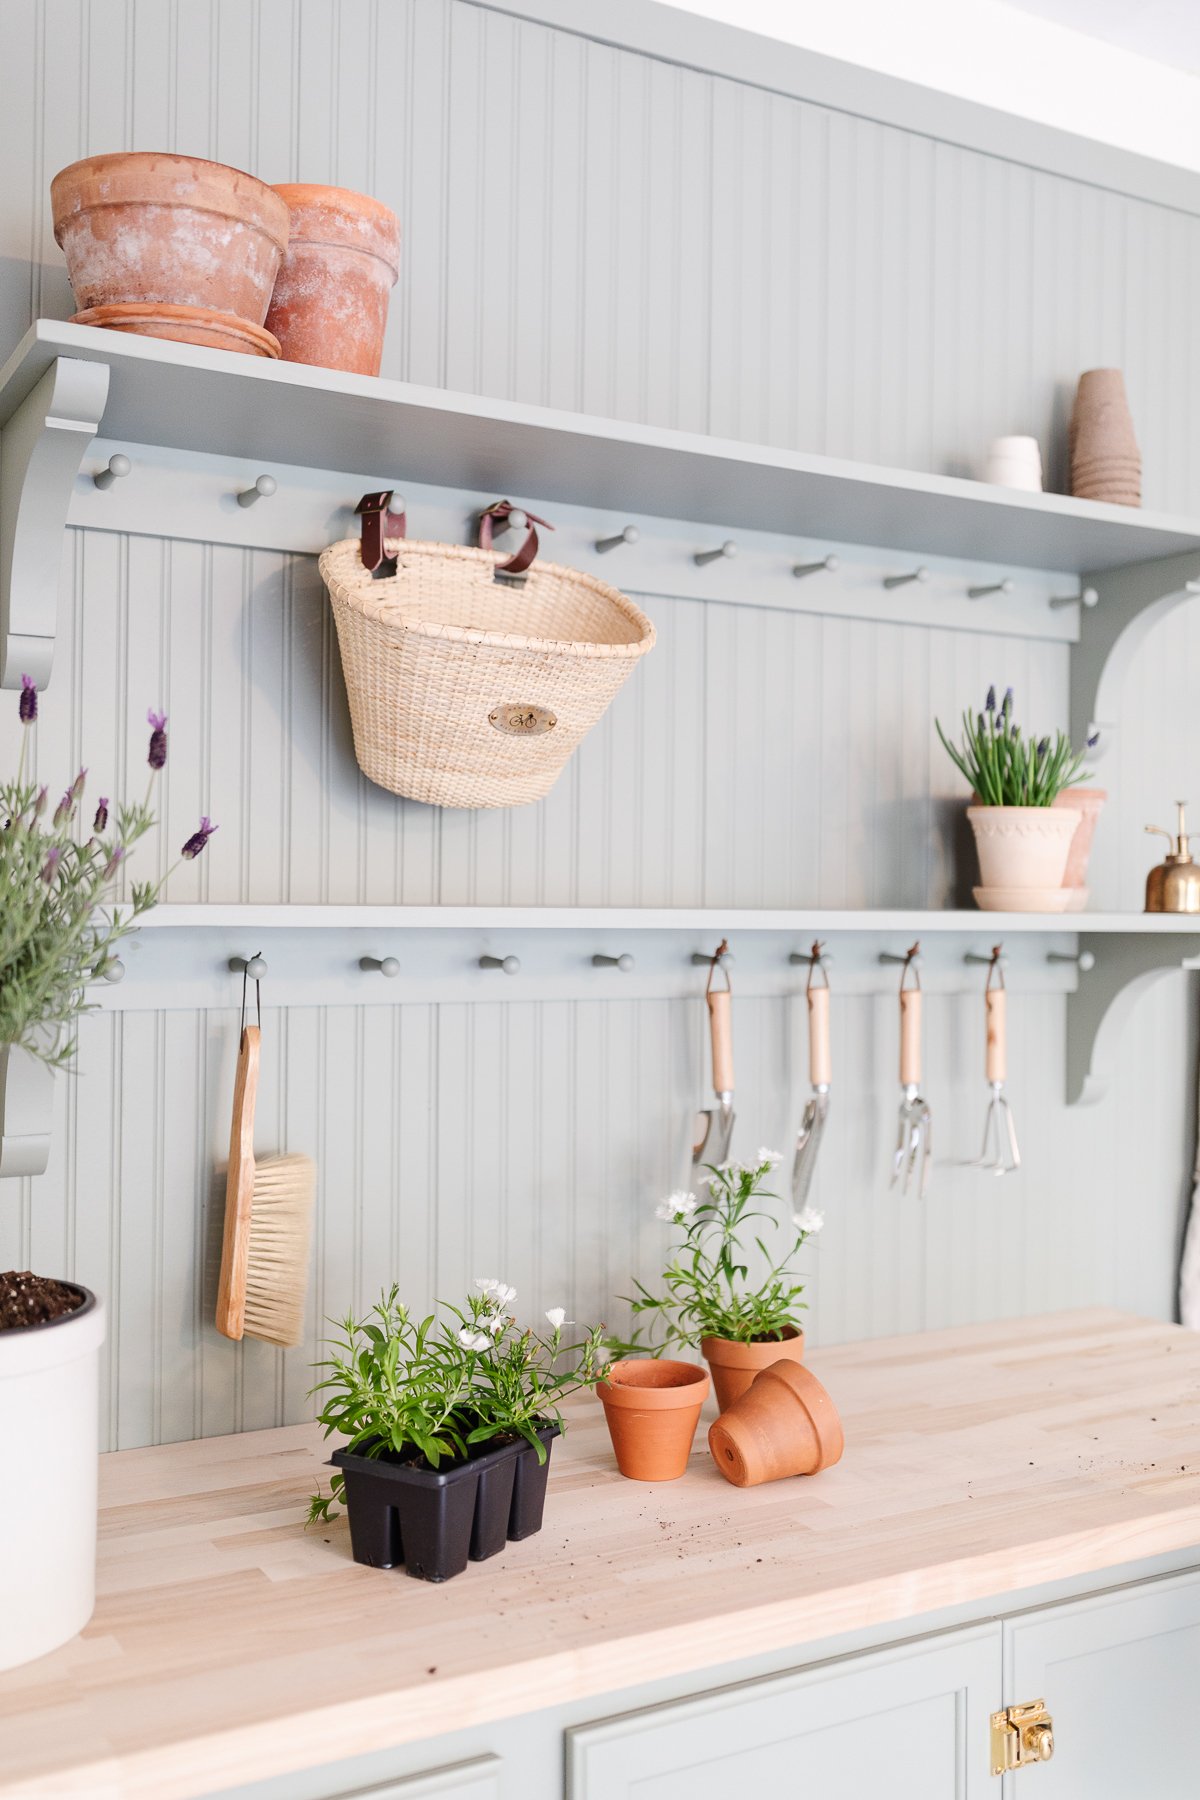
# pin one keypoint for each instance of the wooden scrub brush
(268, 1222)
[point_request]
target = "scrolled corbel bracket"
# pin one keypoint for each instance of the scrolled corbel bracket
(26, 1112)
(1131, 601)
(42, 445)
(1097, 1012)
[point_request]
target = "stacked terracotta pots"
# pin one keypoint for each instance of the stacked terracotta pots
(179, 247)
(1105, 461)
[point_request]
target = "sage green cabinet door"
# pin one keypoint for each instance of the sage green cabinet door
(1120, 1675)
(908, 1723)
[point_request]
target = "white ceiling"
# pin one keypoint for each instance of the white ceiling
(1167, 31)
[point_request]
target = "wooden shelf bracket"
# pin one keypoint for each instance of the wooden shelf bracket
(42, 444)
(1126, 964)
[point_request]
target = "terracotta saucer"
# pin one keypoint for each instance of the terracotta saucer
(184, 325)
(1022, 900)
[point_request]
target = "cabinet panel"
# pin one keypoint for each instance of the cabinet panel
(476, 1780)
(1118, 1674)
(910, 1722)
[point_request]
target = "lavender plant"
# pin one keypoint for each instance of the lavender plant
(1006, 769)
(55, 882)
(708, 1287)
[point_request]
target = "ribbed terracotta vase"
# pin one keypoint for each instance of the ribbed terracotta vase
(734, 1365)
(143, 229)
(652, 1408)
(1090, 804)
(1105, 461)
(330, 304)
(784, 1424)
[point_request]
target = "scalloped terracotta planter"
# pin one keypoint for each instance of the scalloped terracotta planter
(1023, 846)
(148, 228)
(734, 1365)
(784, 1424)
(652, 1408)
(330, 303)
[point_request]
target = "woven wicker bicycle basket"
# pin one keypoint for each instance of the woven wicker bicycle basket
(468, 691)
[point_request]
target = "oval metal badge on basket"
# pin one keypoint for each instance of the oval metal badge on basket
(522, 721)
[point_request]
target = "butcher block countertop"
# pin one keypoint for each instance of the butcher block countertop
(229, 1643)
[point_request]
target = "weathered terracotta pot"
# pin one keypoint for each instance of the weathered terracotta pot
(1105, 461)
(1090, 803)
(734, 1365)
(784, 1424)
(1023, 846)
(152, 228)
(652, 1408)
(186, 325)
(330, 304)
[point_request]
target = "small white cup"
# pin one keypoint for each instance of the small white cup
(1014, 462)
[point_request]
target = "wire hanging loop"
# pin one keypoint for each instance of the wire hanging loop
(911, 967)
(816, 966)
(715, 964)
(257, 993)
(995, 974)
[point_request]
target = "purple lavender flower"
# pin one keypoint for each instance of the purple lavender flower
(158, 739)
(27, 705)
(991, 700)
(50, 866)
(65, 808)
(100, 822)
(198, 839)
(115, 857)
(1043, 747)
(1093, 740)
(39, 805)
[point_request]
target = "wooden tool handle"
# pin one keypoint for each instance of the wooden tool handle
(910, 1037)
(239, 1191)
(720, 1016)
(997, 1035)
(819, 1060)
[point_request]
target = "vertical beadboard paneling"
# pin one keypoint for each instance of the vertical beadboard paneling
(590, 229)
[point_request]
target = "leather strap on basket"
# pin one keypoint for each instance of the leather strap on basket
(377, 524)
(499, 512)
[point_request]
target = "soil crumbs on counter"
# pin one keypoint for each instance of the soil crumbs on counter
(28, 1299)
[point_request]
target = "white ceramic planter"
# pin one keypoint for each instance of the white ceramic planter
(49, 1443)
(1023, 846)
(26, 1111)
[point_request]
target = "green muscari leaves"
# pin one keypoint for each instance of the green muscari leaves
(1006, 769)
(394, 1386)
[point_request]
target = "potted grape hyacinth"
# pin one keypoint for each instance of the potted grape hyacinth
(1024, 814)
(58, 873)
(449, 1422)
(740, 1321)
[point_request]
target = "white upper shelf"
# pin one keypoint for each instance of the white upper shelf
(181, 397)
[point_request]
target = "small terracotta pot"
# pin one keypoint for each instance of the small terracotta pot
(151, 228)
(734, 1365)
(1090, 803)
(1105, 461)
(185, 325)
(784, 1424)
(652, 1408)
(1023, 846)
(330, 303)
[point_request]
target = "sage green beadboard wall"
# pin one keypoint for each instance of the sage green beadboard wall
(602, 229)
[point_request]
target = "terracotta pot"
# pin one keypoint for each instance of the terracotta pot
(1090, 802)
(1105, 461)
(784, 1424)
(652, 1408)
(1023, 846)
(734, 1365)
(330, 304)
(150, 228)
(185, 325)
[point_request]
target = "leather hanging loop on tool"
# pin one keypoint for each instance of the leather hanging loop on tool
(499, 513)
(257, 993)
(378, 523)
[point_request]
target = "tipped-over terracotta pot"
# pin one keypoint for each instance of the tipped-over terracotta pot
(652, 1408)
(149, 228)
(330, 304)
(784, 1424)
(734, 1365)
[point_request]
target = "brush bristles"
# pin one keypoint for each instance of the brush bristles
(277, 1264)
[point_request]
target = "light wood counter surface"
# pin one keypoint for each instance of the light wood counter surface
(230, 1644)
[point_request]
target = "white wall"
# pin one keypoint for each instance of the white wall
(997, 55)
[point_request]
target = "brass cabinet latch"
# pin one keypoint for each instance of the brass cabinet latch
(1021, 1735)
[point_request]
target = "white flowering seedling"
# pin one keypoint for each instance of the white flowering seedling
(708, 1287)
(429, 1392)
